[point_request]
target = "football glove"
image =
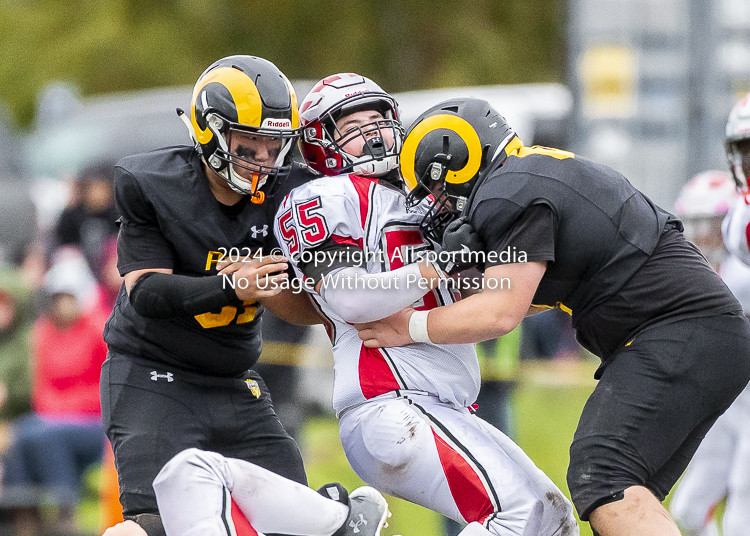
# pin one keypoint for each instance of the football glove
(462, 248)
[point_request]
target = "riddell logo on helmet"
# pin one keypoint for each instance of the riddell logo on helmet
(276, 123)
(356, 93)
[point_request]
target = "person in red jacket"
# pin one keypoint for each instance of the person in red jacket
(54, 444)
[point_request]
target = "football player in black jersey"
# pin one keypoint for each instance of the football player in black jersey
(182, 337)
(562, 231)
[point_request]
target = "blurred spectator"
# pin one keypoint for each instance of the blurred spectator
(54, 444)
(16, 317)
(89, 219)
(33, 266)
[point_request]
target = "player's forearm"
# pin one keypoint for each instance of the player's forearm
(160, 295)
(494, 312)
(357, 296)
(477, 318)
(293, 307)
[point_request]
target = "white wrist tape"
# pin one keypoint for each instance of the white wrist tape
(418, 326)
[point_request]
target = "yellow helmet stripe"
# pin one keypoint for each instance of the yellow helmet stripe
(449, 122)
(244, 93)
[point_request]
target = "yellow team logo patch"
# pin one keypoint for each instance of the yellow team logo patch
(254, 387)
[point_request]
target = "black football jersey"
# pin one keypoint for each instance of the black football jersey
(169, 218)
(596, 232)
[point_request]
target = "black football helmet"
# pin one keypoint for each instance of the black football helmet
(446, 150)
(241, 96)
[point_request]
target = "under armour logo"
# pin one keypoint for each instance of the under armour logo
(355, 524)
(257, 231)
(155, 376)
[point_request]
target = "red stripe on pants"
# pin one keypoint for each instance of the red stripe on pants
(467, 489)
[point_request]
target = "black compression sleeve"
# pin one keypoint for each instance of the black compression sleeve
(157, 295)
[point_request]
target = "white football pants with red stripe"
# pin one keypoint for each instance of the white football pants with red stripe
(202, 493)
(415, 447)
(719, 469)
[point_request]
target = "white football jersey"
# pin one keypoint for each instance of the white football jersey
(736, 230)
(355, 210)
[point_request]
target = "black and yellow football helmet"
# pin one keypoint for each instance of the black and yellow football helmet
(250, 98)
(445, 152)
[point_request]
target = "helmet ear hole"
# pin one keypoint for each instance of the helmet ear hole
(446, 144)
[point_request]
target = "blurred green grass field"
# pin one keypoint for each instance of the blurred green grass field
(547, 403)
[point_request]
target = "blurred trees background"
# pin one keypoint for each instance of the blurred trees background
(113, 45)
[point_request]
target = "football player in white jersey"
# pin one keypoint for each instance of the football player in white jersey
(721, 465)
(202, 493)
(736, 226)
(405, 419)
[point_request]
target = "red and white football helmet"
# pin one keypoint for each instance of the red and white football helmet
(321, 142)
(709, 193)
(701, 205)
(737, 142)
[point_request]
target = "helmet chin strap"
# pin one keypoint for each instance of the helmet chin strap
(186, 121)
